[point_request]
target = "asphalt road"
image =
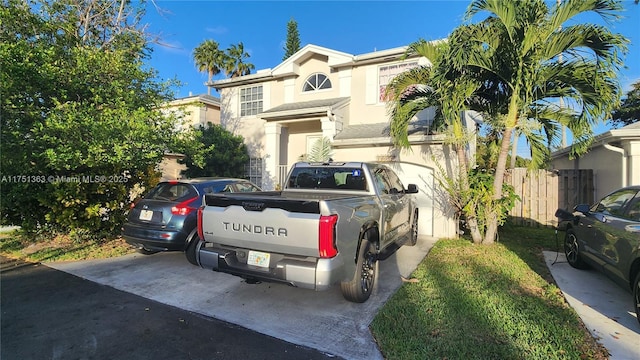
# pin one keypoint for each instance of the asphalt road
(50, 314)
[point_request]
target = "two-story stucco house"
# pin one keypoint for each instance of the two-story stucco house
(319, 92)
(195, 110)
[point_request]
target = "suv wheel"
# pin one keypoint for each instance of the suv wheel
(636, 295)
(572, 250)
(193, 245)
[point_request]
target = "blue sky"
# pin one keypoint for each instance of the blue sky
(354, 27)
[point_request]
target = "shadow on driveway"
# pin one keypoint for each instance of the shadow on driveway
(48, 314)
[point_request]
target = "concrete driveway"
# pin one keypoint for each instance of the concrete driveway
(605, 308)
(319, 320)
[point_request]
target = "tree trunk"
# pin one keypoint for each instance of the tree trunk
(514, 150)
(498, 180)
(471, 215)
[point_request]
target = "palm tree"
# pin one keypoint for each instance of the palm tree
(439, 85)
(210, 59)
(235, 65)
(519, 44)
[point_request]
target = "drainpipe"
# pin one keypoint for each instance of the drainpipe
(624, 161)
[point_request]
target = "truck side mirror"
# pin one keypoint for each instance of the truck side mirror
(412, 189)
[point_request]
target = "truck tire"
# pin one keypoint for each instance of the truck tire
(360, 287)
(191, 252)
(413, 235)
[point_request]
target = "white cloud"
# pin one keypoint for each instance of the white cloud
(217, 30)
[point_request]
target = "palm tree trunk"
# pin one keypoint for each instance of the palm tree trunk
(514, 150)
(492, 216)
(470, 214)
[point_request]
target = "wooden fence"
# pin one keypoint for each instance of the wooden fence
(542, 192)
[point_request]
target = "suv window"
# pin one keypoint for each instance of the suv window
(246, 187)
(172, 192)
(634, 208)
(616, 203)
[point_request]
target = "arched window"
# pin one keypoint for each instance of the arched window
(317, 82)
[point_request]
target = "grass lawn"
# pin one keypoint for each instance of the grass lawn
(59, 248)
(484, 302)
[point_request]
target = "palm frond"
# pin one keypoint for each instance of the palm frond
(569, 9)
(321, 151)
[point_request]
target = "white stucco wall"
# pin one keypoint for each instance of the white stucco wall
(607, 168)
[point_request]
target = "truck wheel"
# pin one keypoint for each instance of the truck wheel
(360, 287)
(191, 252)
(413, 239)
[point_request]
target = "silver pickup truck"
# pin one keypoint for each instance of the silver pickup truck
(330, 224)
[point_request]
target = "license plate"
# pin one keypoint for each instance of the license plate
(146, 215)
(257, 258)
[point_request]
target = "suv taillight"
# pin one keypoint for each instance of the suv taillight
(183, 208)
(327, 236)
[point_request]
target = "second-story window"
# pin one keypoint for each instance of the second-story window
(317, 82)
(251, 100)
(388, 72)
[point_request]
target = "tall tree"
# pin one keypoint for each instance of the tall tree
(234, 64)
(209, 59)
(293, 39)
(519, 43)
(629, 111)
(218, 152)
(80, 125)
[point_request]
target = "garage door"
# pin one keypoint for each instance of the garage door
(423, 177)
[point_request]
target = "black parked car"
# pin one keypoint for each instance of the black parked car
(166, 218)
(606, 236)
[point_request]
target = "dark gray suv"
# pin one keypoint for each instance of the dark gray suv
(606, 236)
(165, 219)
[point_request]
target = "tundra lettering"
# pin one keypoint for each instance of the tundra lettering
(254, 229)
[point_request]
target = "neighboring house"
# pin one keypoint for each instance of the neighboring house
(320, 92)
(196, 110)
(614, 158)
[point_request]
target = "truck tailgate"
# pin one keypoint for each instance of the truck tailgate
(261, 223)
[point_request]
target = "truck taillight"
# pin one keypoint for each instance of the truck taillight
(200, 232)
(327, 241)
(183, 208)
